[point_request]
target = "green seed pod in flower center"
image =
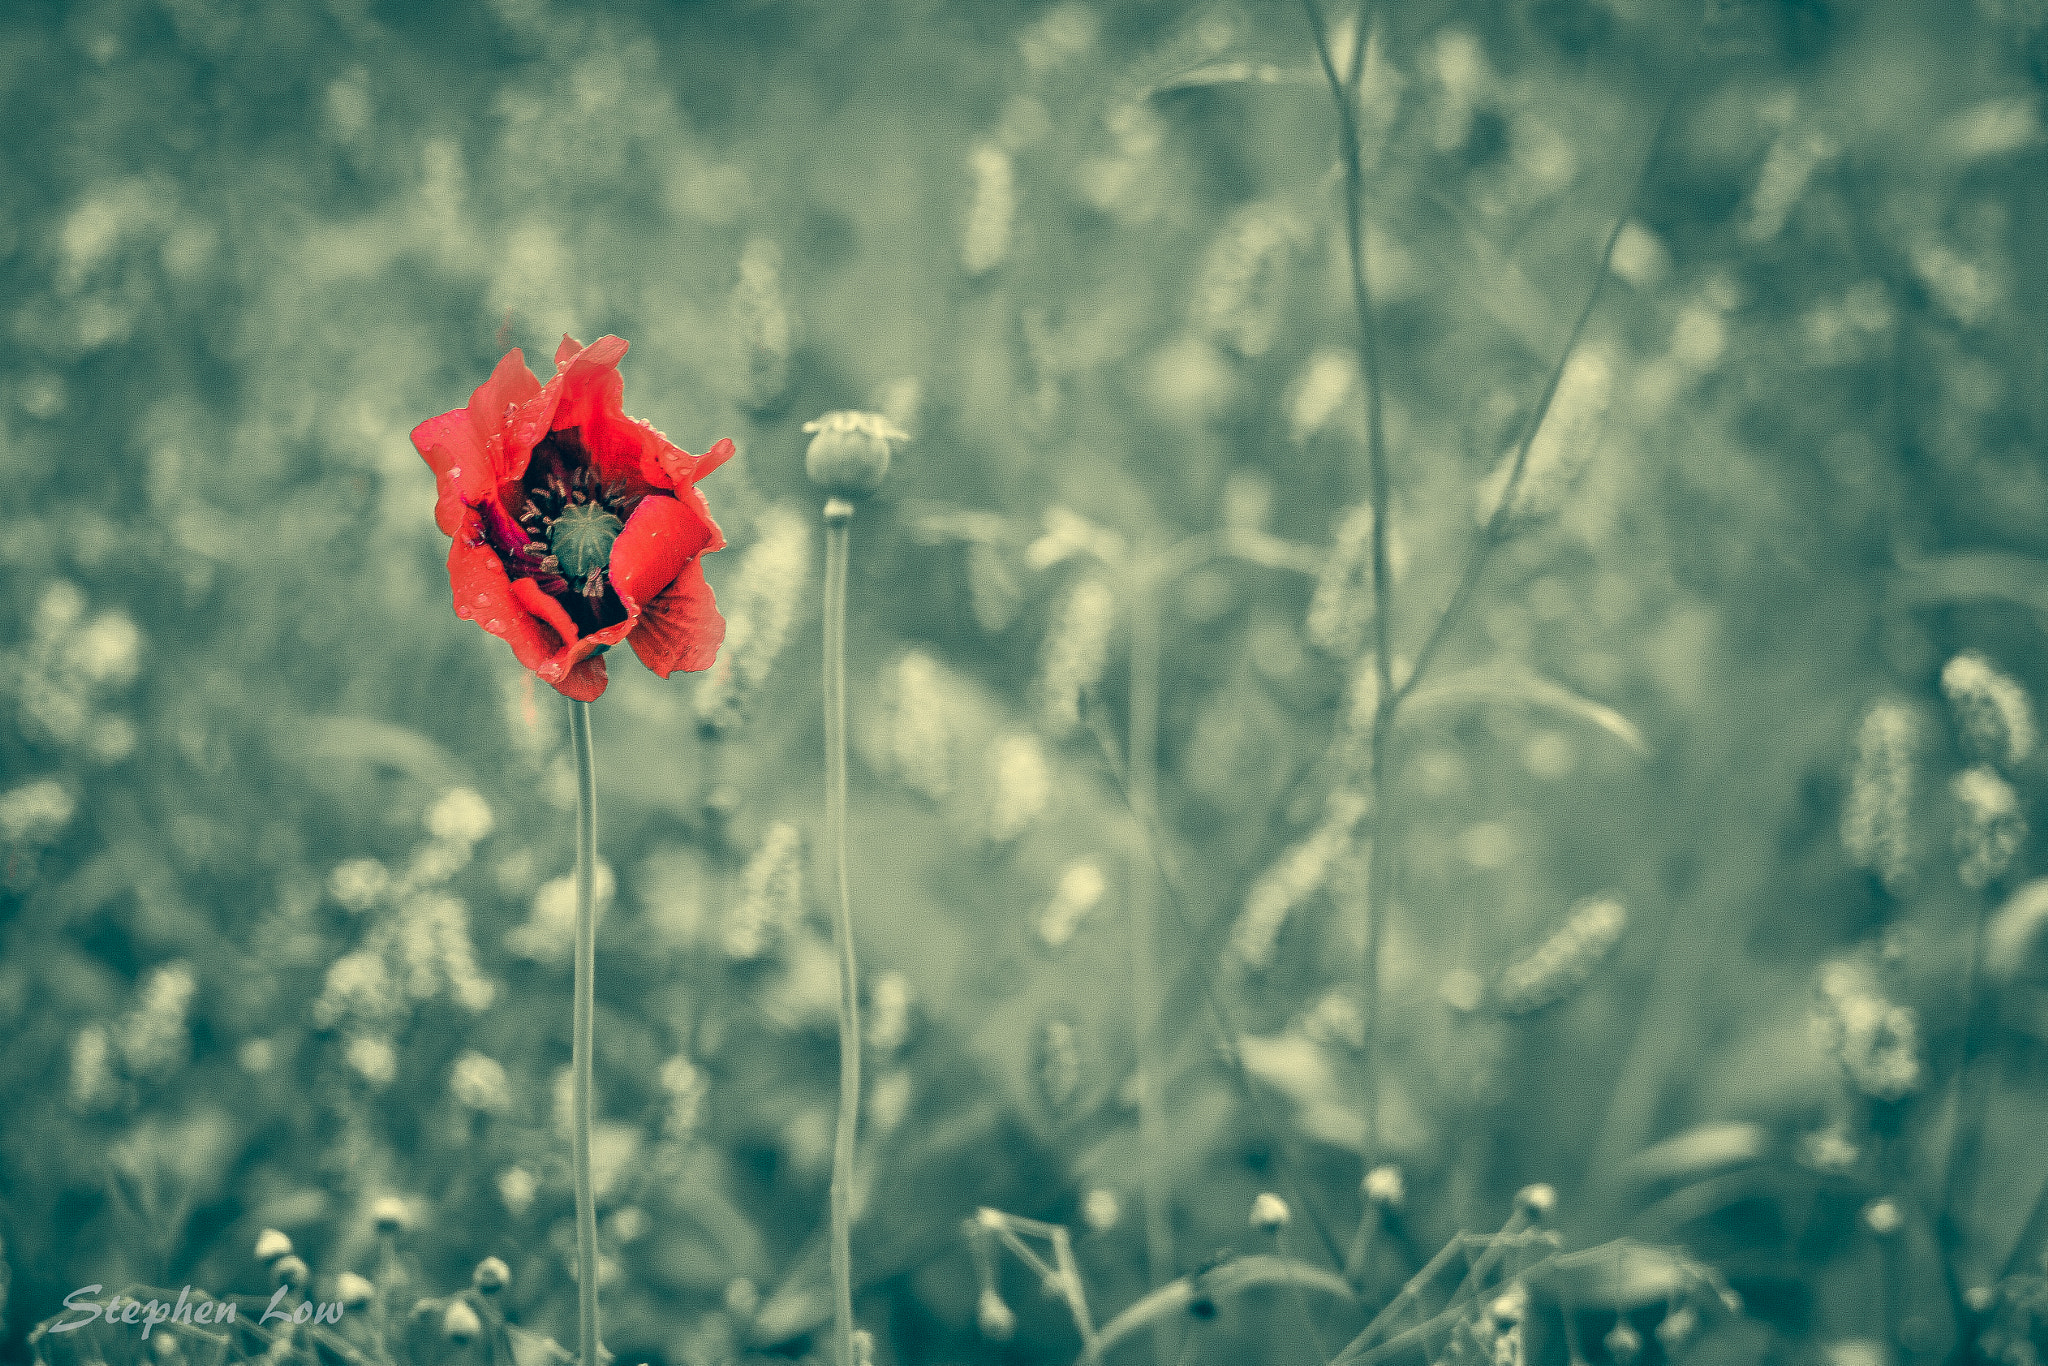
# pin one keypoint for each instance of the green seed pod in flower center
(582, 539)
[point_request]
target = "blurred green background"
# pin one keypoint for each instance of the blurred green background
(282, 929)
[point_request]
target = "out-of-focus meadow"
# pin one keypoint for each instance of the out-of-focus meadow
(1710, 895)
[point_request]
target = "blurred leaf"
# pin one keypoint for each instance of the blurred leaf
(1233, 1277)
(1973, 577)
(1698, 1152)
(1507, 684)
(1236, 73)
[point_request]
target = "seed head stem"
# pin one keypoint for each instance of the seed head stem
(838, 514)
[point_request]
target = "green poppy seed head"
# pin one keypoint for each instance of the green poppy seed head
(582, 539)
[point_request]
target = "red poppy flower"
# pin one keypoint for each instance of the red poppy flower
(575, 526)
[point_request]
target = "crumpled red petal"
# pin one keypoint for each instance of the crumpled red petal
(681, 629)
(659, 538)
(465, 447)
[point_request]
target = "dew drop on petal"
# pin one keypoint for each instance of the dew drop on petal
(462, 612)
(455, 472)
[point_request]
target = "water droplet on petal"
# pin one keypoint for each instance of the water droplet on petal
(493, 624)
(462, 612)
(455, 473)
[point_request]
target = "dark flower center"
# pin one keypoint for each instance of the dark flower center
(562, 538)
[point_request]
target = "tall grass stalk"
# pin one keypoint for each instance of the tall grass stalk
(838, 516)
(581, 1028)
(1346, 87)
(1142, 765)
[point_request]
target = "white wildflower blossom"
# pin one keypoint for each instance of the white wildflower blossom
(686, 1086)
(1989, 828)
(1563, 446)
(1335, 1020)
(479, 1084)
(373, 1059)
(1022, 783)
(1301, 872)
(35, 813)
(434, 952)
(1059, 1064)
(92, 1076)
(1992, 711)
(549, 933)
(889, 1003)
(771, 896)
(764, 330)
(72, 666)
(1788, 168)
(1384, 1186)
(516, 1188)
(1562, 963)
(760, 608)
(1876, 1042)
(359, 883)
(154, 1039)
(1068, 534)
(1078, 893)
(1877, 818)
(1328, 384)
(1342, 605)
(107, 653)
(1100, 1209)
(461, 817)
(358, 987)
(1241, 292)
(921, 727)
(1076, 653)
(993, 211)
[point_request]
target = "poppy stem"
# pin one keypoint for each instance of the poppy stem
(838, 514)
(584, 1019)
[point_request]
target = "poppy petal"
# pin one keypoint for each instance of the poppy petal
(681, 629)
(713, 458)
(510, 385)
(553, 614)
(485, 596)
(659, 538)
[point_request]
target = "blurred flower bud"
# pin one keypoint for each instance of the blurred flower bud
(1991, 710)
(1980, 1298)
(849, 452)
(271, 1245)
(1510, 1307)
(290, 1271)
(1677, 1329)
(1385, 1187)
(491, 1275)
(461, 1324)
(1624, 1343)
(389, 1215)
(1877, 817)
(1536, 1201)
(1883, 1218)
(354, 1291)
(995, 1319)
(1100, 1209)
(1269, 1213)
(1990, 828)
